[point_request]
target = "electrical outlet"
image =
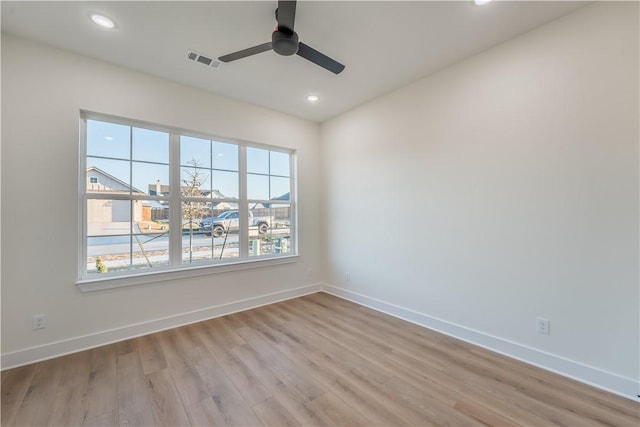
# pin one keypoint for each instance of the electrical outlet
(347, 276)
(543, 326)
(39, 321)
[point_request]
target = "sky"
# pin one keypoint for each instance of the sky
(140, 157)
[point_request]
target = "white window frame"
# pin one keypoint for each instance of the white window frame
(176, 268)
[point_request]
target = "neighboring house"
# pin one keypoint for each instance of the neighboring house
(286, 196)
(158, 189)
(102, 210)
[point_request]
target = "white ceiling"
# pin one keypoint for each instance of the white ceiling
(384, 44)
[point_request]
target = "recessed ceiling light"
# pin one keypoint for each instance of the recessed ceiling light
(102, 21)
(482, 2)
(313, 98)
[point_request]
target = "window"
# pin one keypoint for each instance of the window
(157, 199)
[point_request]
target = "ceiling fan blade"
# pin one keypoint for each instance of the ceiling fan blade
(286, 14)
(246, 52)
(320, 59)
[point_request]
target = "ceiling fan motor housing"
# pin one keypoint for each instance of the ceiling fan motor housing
(284, 42)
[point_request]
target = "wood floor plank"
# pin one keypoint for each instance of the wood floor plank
(340, 413)
(15, 384)
(284, 369)
(295, 403)
(68, 407)
(134, 406)
(77, 369)
(102, 393)
(38, 402)
(189, 383)
(249, 386)
(317, 360)
(205, 413)
(272, 413)
(229, 401)
(151, 355)
(108, 419)
(483, 414)
(168, 409)
(70, 401)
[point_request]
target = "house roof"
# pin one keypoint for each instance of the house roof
(164, 189)
(119, 181)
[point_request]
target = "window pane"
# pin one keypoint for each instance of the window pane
(257, 187)
(150, 250)
(105, 175)
(150, 145)
(192, 214)
(279, 163)
(195, 151)
(146, 177)
(108, 217)
(195, 182)
(150, 234)
(108, 254)
(108, 140)
(257, 160)
(147, 247)
(212, 237)
(123, 234)
(280, 188)
(225, 184)
(225, 156)
(271, 230)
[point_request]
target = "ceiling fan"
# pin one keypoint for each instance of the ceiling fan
(284, 41)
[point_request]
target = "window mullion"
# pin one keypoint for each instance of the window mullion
(175, 202)
(82, 265)
(293, 201)
(130, 201)
(243, 206)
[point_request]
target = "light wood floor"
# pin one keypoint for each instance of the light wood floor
(316, 360)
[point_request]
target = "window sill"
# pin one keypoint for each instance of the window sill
(102, 283)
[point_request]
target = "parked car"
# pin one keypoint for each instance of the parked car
(206, 222)
(229, 222)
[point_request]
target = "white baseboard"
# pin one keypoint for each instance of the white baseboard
(72, 345)
(607, 381)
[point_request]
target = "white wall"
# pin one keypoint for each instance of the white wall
(503, 189)
(43, 90)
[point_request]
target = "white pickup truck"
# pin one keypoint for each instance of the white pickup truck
(230, 221)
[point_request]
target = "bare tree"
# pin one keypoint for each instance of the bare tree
(192, 210)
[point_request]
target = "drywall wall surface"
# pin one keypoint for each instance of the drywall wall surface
(503, 189)
(43, 91)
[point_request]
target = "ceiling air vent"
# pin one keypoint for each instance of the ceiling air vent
(203, 59)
